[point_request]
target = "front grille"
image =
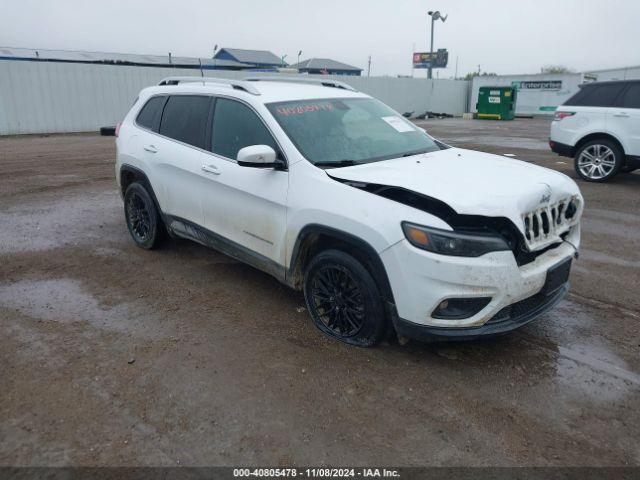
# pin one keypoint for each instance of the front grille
(524, 256)
(545, 225)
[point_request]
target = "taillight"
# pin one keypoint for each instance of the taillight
(118, 129)
(560, 115)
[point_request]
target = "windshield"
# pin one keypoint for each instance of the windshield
(349, 131)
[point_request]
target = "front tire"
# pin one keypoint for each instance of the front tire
(344, 300)
(143, 220)
(598, 160)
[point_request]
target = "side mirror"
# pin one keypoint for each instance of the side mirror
(257, 156)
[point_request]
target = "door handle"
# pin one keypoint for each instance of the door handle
(621, 115)
(150, 148)
(211, 169)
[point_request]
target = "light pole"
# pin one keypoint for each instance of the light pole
(434, 16)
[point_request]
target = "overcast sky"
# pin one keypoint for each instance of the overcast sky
(502, 36)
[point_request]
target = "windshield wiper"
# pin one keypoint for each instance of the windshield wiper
(411, 154)
(339, 163)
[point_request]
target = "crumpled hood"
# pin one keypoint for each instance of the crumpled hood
(470, 182)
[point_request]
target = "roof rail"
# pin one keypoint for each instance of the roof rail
(316, 81)
(237, 84)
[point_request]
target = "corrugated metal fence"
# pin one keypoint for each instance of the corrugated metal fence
(52, 97)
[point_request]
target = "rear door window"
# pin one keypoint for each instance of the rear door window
(236, 126)
(596, 95)
(185, 119)
(149, 116)
(630, 98)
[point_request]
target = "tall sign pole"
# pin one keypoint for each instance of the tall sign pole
(430, 73)
(434, 16)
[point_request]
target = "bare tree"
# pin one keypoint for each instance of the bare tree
(470, 75)
(555, 69)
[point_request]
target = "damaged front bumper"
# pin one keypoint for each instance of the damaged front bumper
(421, 281)
(525, 311)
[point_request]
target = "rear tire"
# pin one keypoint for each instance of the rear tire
(344, 300)
(143, 220)
(598, 160)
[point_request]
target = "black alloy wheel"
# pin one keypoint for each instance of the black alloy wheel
(139, 218)
(344, 300)
(143, 220)
(337, 300)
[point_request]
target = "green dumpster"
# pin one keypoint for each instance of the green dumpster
(496, 103)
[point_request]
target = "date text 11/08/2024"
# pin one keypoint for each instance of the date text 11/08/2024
(317, 472)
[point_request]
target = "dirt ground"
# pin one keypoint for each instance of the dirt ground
(111, 355)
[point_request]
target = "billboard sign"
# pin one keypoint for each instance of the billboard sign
(437, 59)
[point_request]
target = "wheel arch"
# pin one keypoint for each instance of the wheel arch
(315, 238)
(597, 136)
(130, 174)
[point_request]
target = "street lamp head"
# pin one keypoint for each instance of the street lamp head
(438, 16)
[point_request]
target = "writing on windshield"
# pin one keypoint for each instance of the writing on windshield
(349, 131)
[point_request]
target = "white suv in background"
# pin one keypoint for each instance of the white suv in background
(600, 127)
(332, 192)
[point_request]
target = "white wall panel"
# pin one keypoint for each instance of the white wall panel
(54, 97)
(629, 73)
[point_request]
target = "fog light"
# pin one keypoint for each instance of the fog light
(460, 308)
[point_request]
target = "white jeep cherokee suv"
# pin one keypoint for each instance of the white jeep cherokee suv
(334, 193)
(600, 127)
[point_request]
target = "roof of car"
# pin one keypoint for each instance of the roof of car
(269, 91)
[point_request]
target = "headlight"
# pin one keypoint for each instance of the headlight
(452, 243)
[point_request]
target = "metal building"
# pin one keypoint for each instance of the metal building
(624, 73)
(326, 66)
(123, 59)
(257, 59)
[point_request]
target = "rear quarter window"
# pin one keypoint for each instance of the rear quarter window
(149, 116)
(631, 98)
(603, 95)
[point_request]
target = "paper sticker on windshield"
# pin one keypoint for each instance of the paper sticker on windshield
(399, 124)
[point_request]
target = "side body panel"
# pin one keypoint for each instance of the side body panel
(586, 121)
(625, 122)
(244, 204)
(176, 172)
